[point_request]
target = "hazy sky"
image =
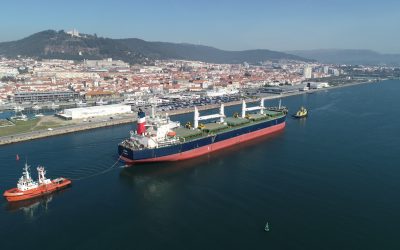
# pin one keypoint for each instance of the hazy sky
(231, 25)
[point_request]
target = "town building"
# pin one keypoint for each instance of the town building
(48, 96)
(307, 72)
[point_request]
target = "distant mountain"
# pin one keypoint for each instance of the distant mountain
(349, 56)
(58, 44)
(51, 44)
(184, 51)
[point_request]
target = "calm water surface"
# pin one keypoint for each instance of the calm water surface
(328, 182)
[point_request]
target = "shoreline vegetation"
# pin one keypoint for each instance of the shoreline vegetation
(37, 132)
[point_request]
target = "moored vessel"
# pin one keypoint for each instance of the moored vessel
(18, 108)
(54, 106)
(159, 139)
(27, 188)
(20, 117)
(36, 107)
(81, 104)
(101, 102)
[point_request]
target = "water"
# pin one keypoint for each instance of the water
(28, 112)
(328, 182)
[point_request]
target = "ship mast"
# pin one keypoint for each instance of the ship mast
(41, 175)
(25, 173)
(198, 118)
(261, 107)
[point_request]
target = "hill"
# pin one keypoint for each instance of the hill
(51, 44)
(163, 50)
(349, 56)
(58, 44)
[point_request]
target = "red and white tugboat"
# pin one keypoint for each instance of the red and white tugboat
(27, 188)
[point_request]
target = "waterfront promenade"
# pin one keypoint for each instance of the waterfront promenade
(82, 126)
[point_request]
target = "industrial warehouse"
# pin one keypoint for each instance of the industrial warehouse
(95, 111)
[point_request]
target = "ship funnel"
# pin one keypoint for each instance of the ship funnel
(141, 122)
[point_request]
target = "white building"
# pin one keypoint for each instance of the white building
(221, 92)
(106, 64)
(7, 71)
(326, 70)
(319, 85)
(307, 72)
(95, 111)
(73, 33)
(336, 72)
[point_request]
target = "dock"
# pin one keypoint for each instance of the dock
(20, 137)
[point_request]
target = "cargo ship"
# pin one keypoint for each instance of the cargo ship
(27, 188)
(158, 139)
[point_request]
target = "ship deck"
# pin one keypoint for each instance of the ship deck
(257, 117)
(232, 123)
(187, 133)
(214, 127)
(272, 113)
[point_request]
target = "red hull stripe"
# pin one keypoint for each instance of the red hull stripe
(212, 147)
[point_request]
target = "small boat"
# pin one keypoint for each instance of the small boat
(130, 101)
(266, 228)
(81, 104)
(18, 108)
(27, 188)
(54, 106)
(36, 107)
(21, 117)
(39, 115)
(301, 113)
(101, 102)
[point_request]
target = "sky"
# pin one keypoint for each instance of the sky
(231, 25)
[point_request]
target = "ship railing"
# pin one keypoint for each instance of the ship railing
(167, 143)
(278, 109)
(130, 144)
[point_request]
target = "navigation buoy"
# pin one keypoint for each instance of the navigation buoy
(266, 229)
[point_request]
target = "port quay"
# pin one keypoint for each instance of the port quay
(42, 93)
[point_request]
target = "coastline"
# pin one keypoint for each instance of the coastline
(270, 97)
(21, 137)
